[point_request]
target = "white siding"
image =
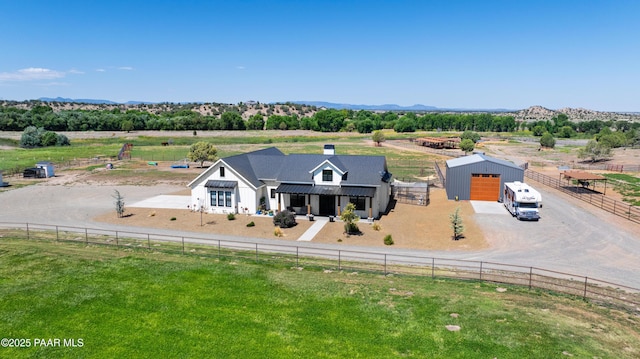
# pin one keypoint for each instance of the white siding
(317, 176)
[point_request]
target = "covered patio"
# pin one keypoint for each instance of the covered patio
(584, 179)
(328, 200)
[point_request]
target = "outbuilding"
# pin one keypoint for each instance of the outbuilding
(47, 167)
(479, 177)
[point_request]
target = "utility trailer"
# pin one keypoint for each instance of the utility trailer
(522, 200)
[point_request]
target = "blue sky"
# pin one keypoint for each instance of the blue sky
(463, 54)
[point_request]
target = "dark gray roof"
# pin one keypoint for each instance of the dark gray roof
(326, 190)
(272, 164)
(221, 184)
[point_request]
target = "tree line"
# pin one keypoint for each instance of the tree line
(325, 120)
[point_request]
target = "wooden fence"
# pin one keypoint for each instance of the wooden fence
(594, 290)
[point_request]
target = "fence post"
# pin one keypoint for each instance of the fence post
(86, 236)
(117, 246)
(339, 261)
(57, 236)
(297, 257)
(256, 252)
(530, 276)
(584, 297)
(385, 264)
(614, 206)
(182, 245)
(480, 270)
(148, 241)
(433, 268)
(28, 237)
(219, 254)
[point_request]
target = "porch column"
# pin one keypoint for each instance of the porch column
(370, 207)
(338, 206)
(279, 202)
(308, 204)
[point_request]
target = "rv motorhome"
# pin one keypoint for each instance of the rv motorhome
(522, 200)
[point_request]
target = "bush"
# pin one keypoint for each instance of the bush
(278, 232)
(547, 140)
(284, 219)
(173, 218)
(388, 240)
(351, 228)
(231, 216)
(377, 226)
(251, 224)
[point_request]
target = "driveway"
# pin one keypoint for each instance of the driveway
(570, 236)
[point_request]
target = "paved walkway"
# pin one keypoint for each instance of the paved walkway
(314, 229)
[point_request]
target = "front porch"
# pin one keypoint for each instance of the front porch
(325, 200)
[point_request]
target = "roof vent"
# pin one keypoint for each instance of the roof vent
(329, 150)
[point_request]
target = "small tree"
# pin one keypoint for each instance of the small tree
(467, 145)
(456, 224)
(473, 136)
(378, 137)
(596, 151)
(202, 151)
(547, 140)
(127, 126)
(350, 218)
(119, 203)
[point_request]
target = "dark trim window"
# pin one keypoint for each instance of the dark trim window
(273, 193)
(360, 202)
(297, 200)
(220, 198)
(327, 175)
(221, 171)
(214, 198)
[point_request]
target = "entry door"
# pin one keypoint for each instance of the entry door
(327, 206)
(485, 187)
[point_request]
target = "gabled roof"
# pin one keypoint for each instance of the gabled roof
(467, 160)
(271, 164)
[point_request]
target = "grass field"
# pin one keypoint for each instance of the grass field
(139, 304)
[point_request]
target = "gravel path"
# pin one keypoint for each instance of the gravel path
(568, 238)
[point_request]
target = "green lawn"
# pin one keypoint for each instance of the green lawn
(627, 185)
(140, 304)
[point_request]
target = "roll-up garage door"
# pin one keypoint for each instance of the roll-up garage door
(485, 187)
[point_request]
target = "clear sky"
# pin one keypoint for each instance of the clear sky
(463, 54)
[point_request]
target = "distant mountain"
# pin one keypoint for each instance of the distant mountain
(393, 107)
(91, 101)
(385, 107)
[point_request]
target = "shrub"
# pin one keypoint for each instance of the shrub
(351, 228)
(388, 240)
(278, 232)
(173, 218)
(284, 219)
(251, 224)
(231, 216)
(547, 140)
(350, 218)
(377, 226)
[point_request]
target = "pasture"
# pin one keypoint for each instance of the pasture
(138, 304)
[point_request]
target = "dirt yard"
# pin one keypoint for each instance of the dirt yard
(419, 227)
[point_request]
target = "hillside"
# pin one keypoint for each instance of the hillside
(533, 113)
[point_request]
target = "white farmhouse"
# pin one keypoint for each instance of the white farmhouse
(318, 184)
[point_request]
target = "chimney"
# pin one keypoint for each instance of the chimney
(329, 150)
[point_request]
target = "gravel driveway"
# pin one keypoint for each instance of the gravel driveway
(570, 237)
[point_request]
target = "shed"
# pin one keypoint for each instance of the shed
(47, 167)
(2, 184)
(479, 177)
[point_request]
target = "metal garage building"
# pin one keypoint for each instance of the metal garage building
(479, 177)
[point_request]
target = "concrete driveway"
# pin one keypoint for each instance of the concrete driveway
(570, 237)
